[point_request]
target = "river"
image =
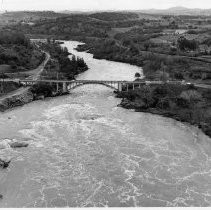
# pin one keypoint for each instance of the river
(85, 151)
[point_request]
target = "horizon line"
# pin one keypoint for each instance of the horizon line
(94, 10)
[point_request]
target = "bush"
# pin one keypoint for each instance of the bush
(179, 76)
(191, 96)
(42, 89)
(8, 37)
(185, 44)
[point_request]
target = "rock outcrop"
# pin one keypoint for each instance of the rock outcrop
(19, 99)
(4, 164)
(18, 144)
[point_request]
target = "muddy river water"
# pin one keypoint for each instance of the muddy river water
(85, 151)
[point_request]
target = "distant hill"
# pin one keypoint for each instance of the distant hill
(114, 16)
(179, 11)
(15, 17)
(108, 15)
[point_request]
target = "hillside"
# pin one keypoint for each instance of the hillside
(179, 11)
(17, 53)
(97, 25)
(156, 44)
(27, 16)
(112, 16)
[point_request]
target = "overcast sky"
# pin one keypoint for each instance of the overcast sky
(101, 4)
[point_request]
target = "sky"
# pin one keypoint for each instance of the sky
(82, 5)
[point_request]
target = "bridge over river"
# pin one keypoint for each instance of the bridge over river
(68, 85)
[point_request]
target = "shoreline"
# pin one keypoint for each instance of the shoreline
(25, 97)
(127, 104)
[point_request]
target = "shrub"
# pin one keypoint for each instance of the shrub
(42, 89)
(191, 96)
(185, 44)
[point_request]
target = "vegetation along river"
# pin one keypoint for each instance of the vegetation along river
(85, 151)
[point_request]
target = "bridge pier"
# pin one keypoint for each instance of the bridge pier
(120, 87)
(64, 89)
(127, 87)
(57, 87)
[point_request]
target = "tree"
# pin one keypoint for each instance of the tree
(146, 46)
(192, 96)
(164, 76)
(185, 44)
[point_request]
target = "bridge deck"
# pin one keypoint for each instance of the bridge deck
(105, 82)
(80, 81)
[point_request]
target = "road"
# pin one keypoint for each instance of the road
(37, 72)
(34, 75)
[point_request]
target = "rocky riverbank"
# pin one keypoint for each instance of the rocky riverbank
(182, 104)
(27, 95)
(20, 98)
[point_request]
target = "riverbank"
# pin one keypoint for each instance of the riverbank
(57, 65)
(63, 64)
(28, 95)
(182, 103)
(154, 65)
(23, 96)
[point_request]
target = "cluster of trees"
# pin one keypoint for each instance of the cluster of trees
(185, 103)
(207, 42)
(114, 16)
(72, 66)
(17, 51)
(14, 38)
(94, 25)
(70, 26)
(137, 36)
(185, 44)
(68, 66)
(169, 67)
(110, 49)
(42, 89)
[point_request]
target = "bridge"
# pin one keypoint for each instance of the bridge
(68, 85)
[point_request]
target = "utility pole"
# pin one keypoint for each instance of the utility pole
(57, 84)
(2, 83)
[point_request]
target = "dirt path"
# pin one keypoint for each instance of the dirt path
(34, 75)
